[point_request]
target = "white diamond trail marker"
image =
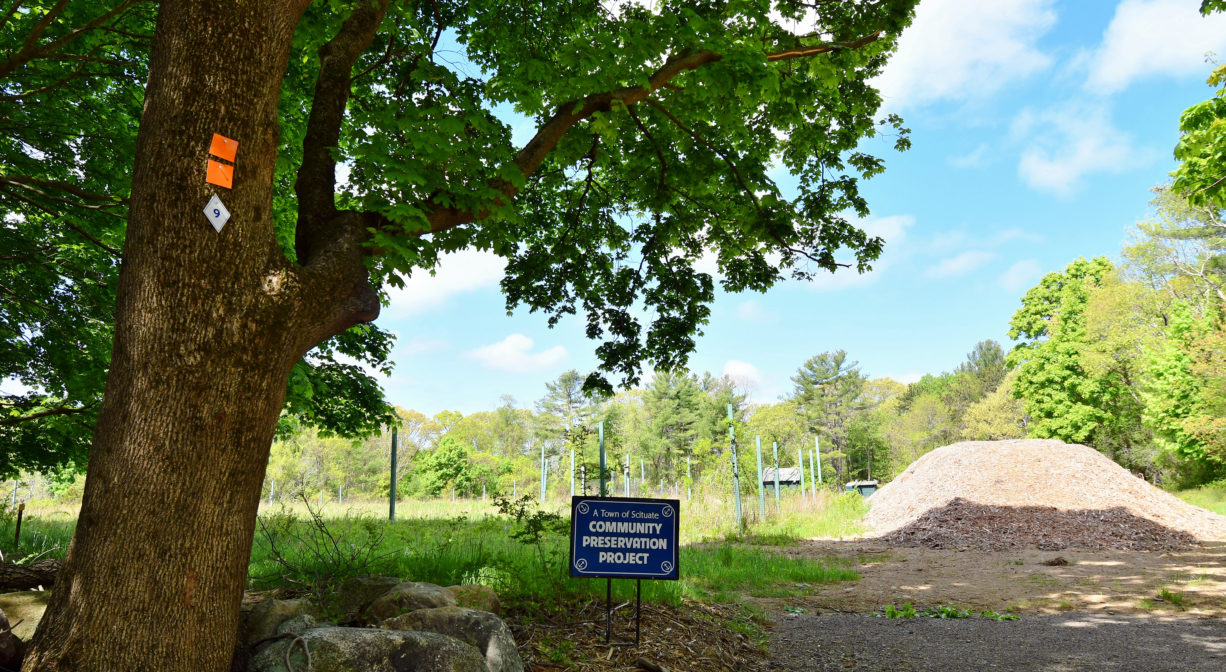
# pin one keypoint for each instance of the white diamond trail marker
(217, 213)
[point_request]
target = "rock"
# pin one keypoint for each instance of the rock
(409, 596)
(298, 625)
(481, 629)
(268, 615)
(10, 646)
(24, 610)
(370, 650)
(476, 597)
(354, 594)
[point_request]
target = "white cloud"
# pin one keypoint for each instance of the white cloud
(966, 49)
(420, 346)
(745, 375)
(1153, 38)
(1010, 235)
(1021, 276)
(752, 311)
(960, 264)
(977, 158)
(1064, 144)
(514, 354)
(458, 273)
(907, 378)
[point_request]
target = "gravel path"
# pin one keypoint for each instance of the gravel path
(1037, 643)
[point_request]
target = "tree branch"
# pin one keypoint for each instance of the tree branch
(67, 222)
(31, 183)
(316, 182)
(29, 51)
(440, 218)
(806, 51)
(9, 14)
(654, 145)
(697, 138)
(59, 410)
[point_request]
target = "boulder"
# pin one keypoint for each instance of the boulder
(24, 610)
(266, 616)
(370, 650)
(300, 624)
(409, 596)
(480, 629)
(476, 597)
(354, 594)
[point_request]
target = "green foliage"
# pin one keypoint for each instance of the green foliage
(1175, 250)
(988, 613)
(1201, 150)
(906, 611)
(827, 391)
(946, 611)
(672, 402)
(1175, 394)
(1083, 337)
(447, 466)
(998, 415)
(581, 229)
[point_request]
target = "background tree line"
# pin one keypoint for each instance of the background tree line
(1128, 357)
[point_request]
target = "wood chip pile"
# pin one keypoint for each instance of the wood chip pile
(993, 495)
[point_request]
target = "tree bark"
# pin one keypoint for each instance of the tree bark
(208, 326)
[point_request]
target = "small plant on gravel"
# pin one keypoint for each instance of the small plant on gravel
(1176, 599)
(905, 611)
(988, 613)
(946, 611)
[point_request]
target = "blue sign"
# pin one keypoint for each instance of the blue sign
(624, 537)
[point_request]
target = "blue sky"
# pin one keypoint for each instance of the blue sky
(1038, 129)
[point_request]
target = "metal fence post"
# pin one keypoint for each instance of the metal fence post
(736, 475)
(761, 493)
(391, 494)
(800, 463)
(778, 506)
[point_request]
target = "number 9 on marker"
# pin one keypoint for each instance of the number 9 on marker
(217, 214)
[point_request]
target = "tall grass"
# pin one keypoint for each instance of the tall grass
(1211, 497)
(467, 542)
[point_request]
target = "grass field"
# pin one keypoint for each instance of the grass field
(1211, 497)
(456, 542)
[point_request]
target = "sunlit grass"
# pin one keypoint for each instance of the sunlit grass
(450, 542)
(1211, 497)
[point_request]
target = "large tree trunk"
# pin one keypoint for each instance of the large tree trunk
(208, 326)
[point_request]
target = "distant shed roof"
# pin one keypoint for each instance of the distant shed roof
(786, 475)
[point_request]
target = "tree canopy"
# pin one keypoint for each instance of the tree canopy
(655, 131)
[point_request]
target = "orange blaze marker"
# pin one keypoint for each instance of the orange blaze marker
(220, 174)
(223, 147)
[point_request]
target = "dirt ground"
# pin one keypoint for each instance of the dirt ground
(1086, 611)
(1099, 581)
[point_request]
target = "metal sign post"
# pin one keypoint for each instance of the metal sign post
(604, 467)
(624, 538)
